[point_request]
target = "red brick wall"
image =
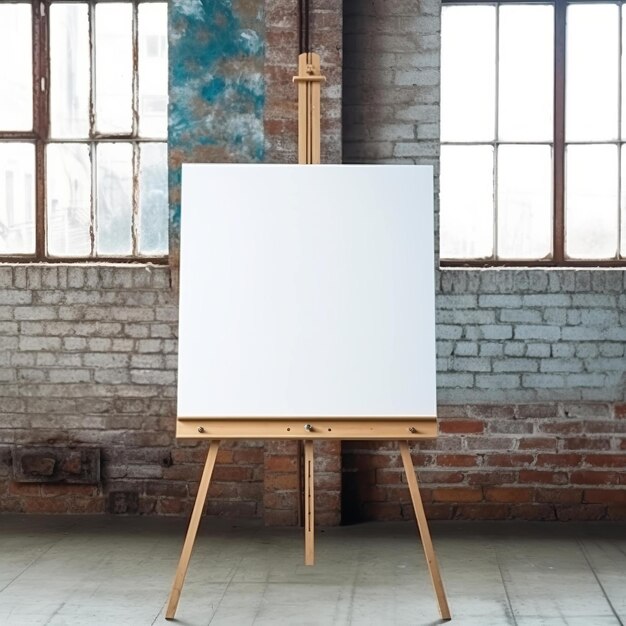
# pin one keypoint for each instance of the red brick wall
(532, 462)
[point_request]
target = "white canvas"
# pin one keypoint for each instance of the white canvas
(307, 291)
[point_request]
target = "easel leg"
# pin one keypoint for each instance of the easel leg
(309, 505)
(422, 524)
(194, 522)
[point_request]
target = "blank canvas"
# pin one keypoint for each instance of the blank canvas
(307, 291)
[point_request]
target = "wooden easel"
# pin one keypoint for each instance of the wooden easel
(308, 430)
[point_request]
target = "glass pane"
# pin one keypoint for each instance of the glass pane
(468, 69)
(115, 199)
(466, 202)
(524, 202)
(526, 87)
(17, 198)
(69, 70)
(153, 204)
(16, 67)
(591, 203)
(69, 200)
(153, 70)
(592, 72)
(114, 67)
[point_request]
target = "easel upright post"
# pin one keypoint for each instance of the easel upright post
(309, 504)
(309, 98)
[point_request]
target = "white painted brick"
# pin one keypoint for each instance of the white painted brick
(586, 380)
(581, 333)
(561, 365)
(40, 343)
(69, 375)
(538, 350)
(147, 361)
(528, 316)
(505, 301)
(491, 349)
(113, 360)
(563, 350)
(555, 300)
(466, 316)
(557, 317)
(496, 331)
(547, 333)
(8, 328)
(74, 343)
(612, 349)
(516, 365)
(149, 345)
(35, 313)
(455, 380)
(152, 377)
(466, 348)
(497, 381)
(515, 348)
(584, 350)
(112, 376)
(471, 364)
(543, 381)
(99, 344)
(444, 348)
(13, 296)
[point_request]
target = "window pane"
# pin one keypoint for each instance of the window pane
(115, 199)
(591, 202)
(526, 73)
(468, 68)
(153, 70)
(69, 200)
(466, 202)
(17, 198)
(592, 72)
(16, 67)
(524, 202)
(153, 204)
(114, 67)
(69, 70)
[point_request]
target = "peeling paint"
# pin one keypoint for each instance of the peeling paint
(217, 88)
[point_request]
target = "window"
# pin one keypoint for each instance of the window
(533, 128)
(83, 129)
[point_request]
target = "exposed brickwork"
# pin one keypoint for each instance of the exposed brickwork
(88, 356)
(563, 461)
(550, 337)
(281, 62)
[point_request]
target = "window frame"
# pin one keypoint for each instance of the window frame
(558, 258)
(40, 135)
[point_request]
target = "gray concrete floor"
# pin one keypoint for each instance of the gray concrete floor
(83, 571)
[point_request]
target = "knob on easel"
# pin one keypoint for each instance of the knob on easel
(308, 428)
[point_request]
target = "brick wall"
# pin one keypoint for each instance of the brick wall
(88, 354)
(531, 363)
(88, 358)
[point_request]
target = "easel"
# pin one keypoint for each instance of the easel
(308, 430)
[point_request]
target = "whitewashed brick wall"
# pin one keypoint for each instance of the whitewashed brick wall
(503, 335)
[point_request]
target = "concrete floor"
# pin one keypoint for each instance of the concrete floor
(117, 571)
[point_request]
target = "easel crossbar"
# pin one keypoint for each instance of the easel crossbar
(347, 428)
